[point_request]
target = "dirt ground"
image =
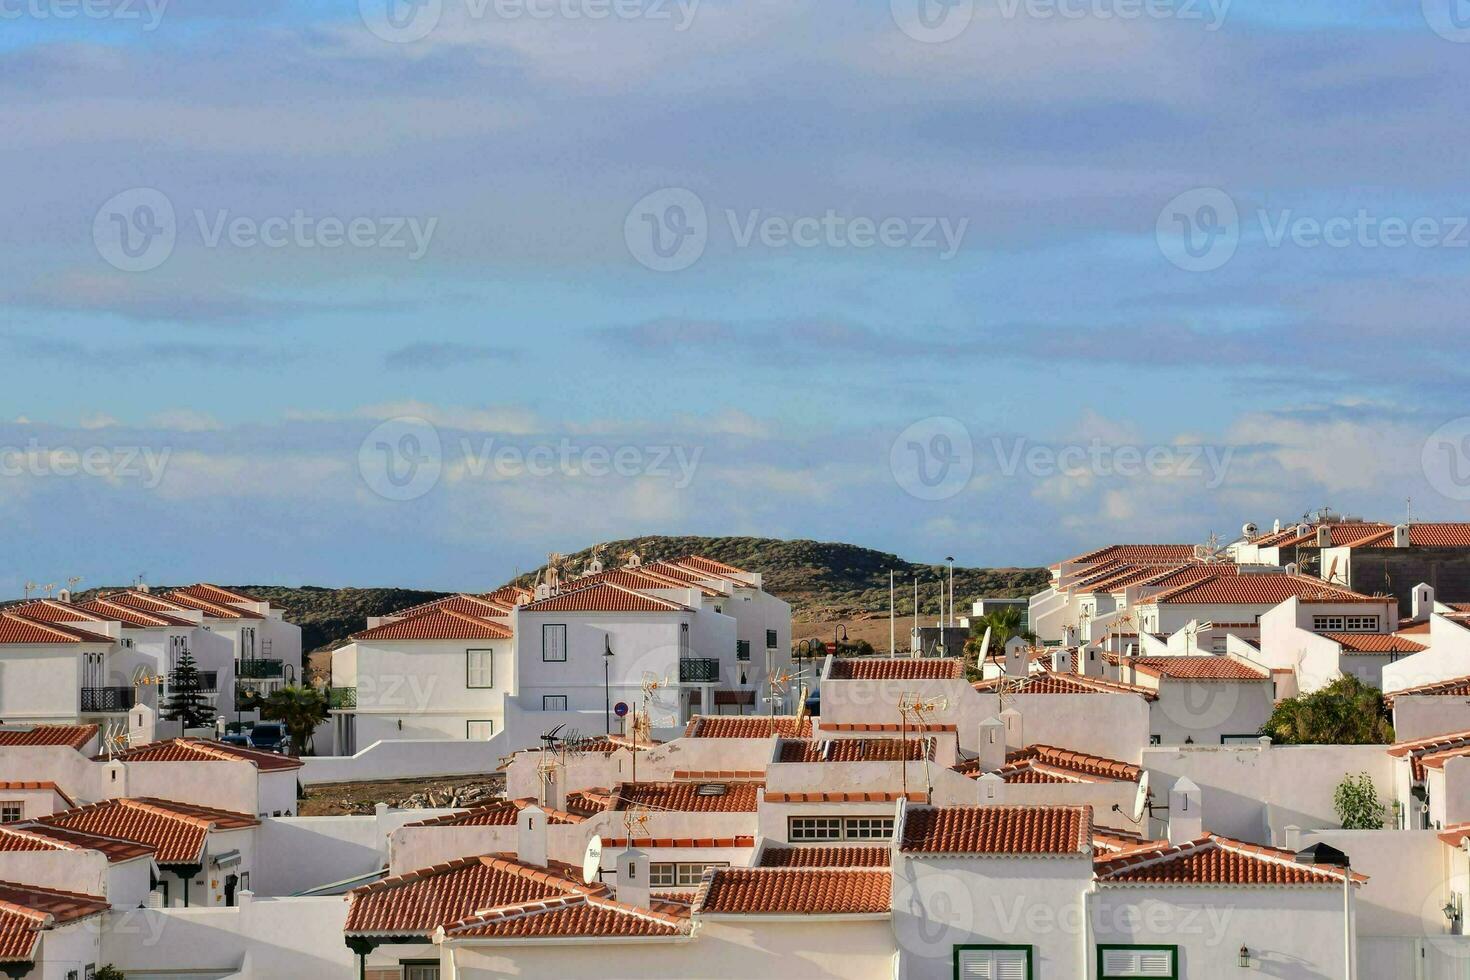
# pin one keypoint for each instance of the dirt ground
(338, 799)
(875, 631)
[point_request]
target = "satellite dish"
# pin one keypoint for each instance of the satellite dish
(1140, 798)
(592, 862)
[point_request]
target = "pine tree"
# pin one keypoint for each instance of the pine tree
(186, 701)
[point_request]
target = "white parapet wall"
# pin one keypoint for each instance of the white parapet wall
(407, 759)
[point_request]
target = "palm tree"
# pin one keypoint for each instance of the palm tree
(1003, 623)
(300, 709)
(1345, 712)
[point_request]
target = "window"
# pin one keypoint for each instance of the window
(1345, 624)
(554, 643)
(420, 970)
(1117, 962)
(479, 668)
(840, 828)
(553, 702)
(682, 875)
(11, 811)
(479, 731)
(992, 962)
(742, 649)
(683, 640)
(89, 972)
(770, 639)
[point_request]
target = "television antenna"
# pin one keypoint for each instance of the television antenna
(30, 587)
(921, 710)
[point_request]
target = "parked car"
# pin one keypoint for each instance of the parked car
(236, 738)
(270, 736)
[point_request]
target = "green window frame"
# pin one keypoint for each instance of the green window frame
(1171, 949)
(1029, 950)
(487, 675)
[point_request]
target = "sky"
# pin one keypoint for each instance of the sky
(413, 292)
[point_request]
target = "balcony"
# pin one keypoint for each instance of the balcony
(107, 700)
(342, 697)
(208, 681)
(699, 670)
(259, 669)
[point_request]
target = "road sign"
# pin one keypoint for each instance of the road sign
(621, 709)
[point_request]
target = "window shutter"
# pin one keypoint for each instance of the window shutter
(994, 964)
(1010, 964)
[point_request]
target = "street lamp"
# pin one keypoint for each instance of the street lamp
(607, 656)
(950, 559)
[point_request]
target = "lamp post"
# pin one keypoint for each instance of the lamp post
(607, 656)
(950, 559)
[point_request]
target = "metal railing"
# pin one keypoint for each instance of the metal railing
(208, 681)
(699, 670)
(107, 699)
(342, 697)
(259, 668)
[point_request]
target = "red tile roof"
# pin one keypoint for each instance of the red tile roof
(37, 784)
(1454, 687)
(470, 605)
(177, 831)
(1455, 833)
(643, 579)
(1141, 553)
(1192, 668)
(734, 797)
(702, 564)
(997, 830)
(18, 629)
(26, 910)
(128, 616)
(1436, 536)
(508, 595)
(51, 611)
(792, 891)
(1054, 683)
(896, 669)
(747, 726)
(857, 750)
(825, 856)
(73, 736)
(437, 624)
(211, 609)
(113, 848)
(1064, 765)
(1374, 643)
(203, 750)
(218, 594)
(605, 597)
(843, 797)
(646, 842)
(1417, 749)
(570, 916)
(1214, 860)
(1265, 588)
(417, 903)
(856, 726)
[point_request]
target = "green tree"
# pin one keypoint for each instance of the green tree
(186, 701)
(1357, 804)
(1345, 712)
(109, 972)
(1003, 623)
(300, 709)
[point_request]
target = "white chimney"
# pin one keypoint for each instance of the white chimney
(142, 725)
(1291, 568)
(1324, 536)
(992, 752)
(64, 596)
(531, 836)
(1090, 661)
(1015, 736)
(1186, 814)
(992, 789)
(1422, 600)
(1018, 657)
(1401, 536)
(633, 886)
(1062, 659)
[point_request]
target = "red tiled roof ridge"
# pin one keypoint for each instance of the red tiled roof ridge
(793, 891)
(488, 628)
(1031, 830)
(447, 602)
(569, 594)
(1447, 686)
(844, 796)
(495, 807)
(1111, 867)
(640, 842)
(62, 633)
(234, 595)
(214, 610)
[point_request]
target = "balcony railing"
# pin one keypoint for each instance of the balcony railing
(342, 697)
(208, 681)
(107, 699)
(699, 670)
(258, 669)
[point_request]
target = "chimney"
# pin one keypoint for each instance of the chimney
(1186, 815)
(992, 752)
(531, 836)
(142, 725)
(992, 789)
(1015, 736)
(1324, 536)
(1018, 657)
(1090, 662)
(1063, 659)
(64, 596)
(1423, 600)
(1401, 536)
(633, 886)
(1292, 569)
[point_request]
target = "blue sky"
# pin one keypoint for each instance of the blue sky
(983, 394)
